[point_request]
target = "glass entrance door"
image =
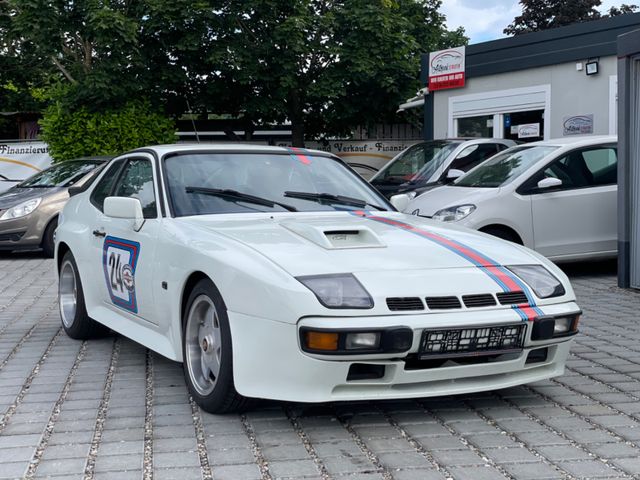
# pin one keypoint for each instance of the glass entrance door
(524, 126)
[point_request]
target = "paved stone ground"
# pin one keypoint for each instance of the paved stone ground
(109, 409)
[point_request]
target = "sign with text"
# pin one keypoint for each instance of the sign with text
(20, 160)
(529, 130)
(446, 69)
(577, 125)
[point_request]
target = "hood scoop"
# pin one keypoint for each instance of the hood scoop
(335, 238)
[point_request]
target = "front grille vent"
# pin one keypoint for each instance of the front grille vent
(443, 303)
(399, 304)
(11, 237)
(481, 300)
(512, 298)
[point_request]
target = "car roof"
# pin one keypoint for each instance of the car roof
(223, 147)
(576, 141)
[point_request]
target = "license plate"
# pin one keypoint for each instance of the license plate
(478, 341)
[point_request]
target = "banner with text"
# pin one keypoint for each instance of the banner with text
(23, 159)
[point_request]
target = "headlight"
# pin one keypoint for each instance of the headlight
(453, 214)
(541, 280)
(338, 291)
(22, 209)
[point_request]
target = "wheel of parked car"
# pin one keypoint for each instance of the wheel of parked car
(48, 243)
(73, 311)
(207, 351)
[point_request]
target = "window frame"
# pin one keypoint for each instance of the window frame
(529, 186)
(116, 165)
(124, 162)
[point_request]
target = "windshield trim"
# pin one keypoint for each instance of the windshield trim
(96, 164)
(310, 153)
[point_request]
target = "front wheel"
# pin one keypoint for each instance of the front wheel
(207, 351)
(73, 311)
(48, 243)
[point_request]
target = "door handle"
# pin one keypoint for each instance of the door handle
(99, 233)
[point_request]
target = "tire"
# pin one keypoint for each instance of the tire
(503, 233)
(48, 244)
(73, 312)
(207, 351)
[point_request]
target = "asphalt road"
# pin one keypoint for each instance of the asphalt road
(110, 409)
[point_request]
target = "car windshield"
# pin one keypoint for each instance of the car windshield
(63, 175)
(417, 163)
(504, 167)
(210, 183)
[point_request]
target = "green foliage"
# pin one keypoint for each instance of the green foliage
(73, 134)
(540, 15)
(324, 65)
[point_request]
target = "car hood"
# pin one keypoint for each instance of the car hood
(312, 244)
(448, 196)
(15, 195)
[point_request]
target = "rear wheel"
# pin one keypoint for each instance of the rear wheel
(48, 244)
(207, 351)
(73, 312)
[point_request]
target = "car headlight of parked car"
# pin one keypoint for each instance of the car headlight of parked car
(453, 214)
(338, 291)
(22, 209)
(541, 280)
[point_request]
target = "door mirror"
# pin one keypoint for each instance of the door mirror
(125, 207)
(454, 174)
(400, 201)
(549, 182)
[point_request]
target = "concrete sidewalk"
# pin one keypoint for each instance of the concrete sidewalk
(109, 409)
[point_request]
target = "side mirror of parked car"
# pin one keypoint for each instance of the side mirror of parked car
(549, 182)
(125, 207)
(453, 174)
(400, 201)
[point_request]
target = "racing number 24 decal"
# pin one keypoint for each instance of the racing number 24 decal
(119, 260)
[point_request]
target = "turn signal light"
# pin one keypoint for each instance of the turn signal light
(322, 341)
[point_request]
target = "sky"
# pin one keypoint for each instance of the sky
(484, 20)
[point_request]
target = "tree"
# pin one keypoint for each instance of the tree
(540, 15)
(326, 65)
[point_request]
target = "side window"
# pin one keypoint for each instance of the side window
(473, 155)
(603, 165)
(104, 187)
(583, 168)
(136, 181)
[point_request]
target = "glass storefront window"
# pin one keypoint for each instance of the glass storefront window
(481, 126)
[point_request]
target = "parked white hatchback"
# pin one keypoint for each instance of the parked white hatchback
(558, 197)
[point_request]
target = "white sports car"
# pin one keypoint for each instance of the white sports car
(279, 273)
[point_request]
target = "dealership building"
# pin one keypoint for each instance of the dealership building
(556, 82)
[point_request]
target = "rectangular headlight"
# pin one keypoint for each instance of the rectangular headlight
(338, 291)
(362, 341)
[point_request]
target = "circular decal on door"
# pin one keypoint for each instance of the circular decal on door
(127, 278)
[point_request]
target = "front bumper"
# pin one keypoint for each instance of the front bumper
(24, 232)
(269, 363)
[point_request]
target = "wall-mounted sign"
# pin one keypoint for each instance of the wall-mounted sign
(446, 69)
(577, 125)
(529, 130)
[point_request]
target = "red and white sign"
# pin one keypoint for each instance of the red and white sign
(446, 69)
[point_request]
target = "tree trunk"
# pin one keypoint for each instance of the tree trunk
(296, 116)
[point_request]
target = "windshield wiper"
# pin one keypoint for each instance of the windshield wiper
(331, 198)
(235, 195)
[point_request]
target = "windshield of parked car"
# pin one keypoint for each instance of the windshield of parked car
(417, 163)
(64, 174)
(504, 167)
(210, 183)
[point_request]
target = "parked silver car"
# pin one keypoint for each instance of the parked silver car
(29, 210)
